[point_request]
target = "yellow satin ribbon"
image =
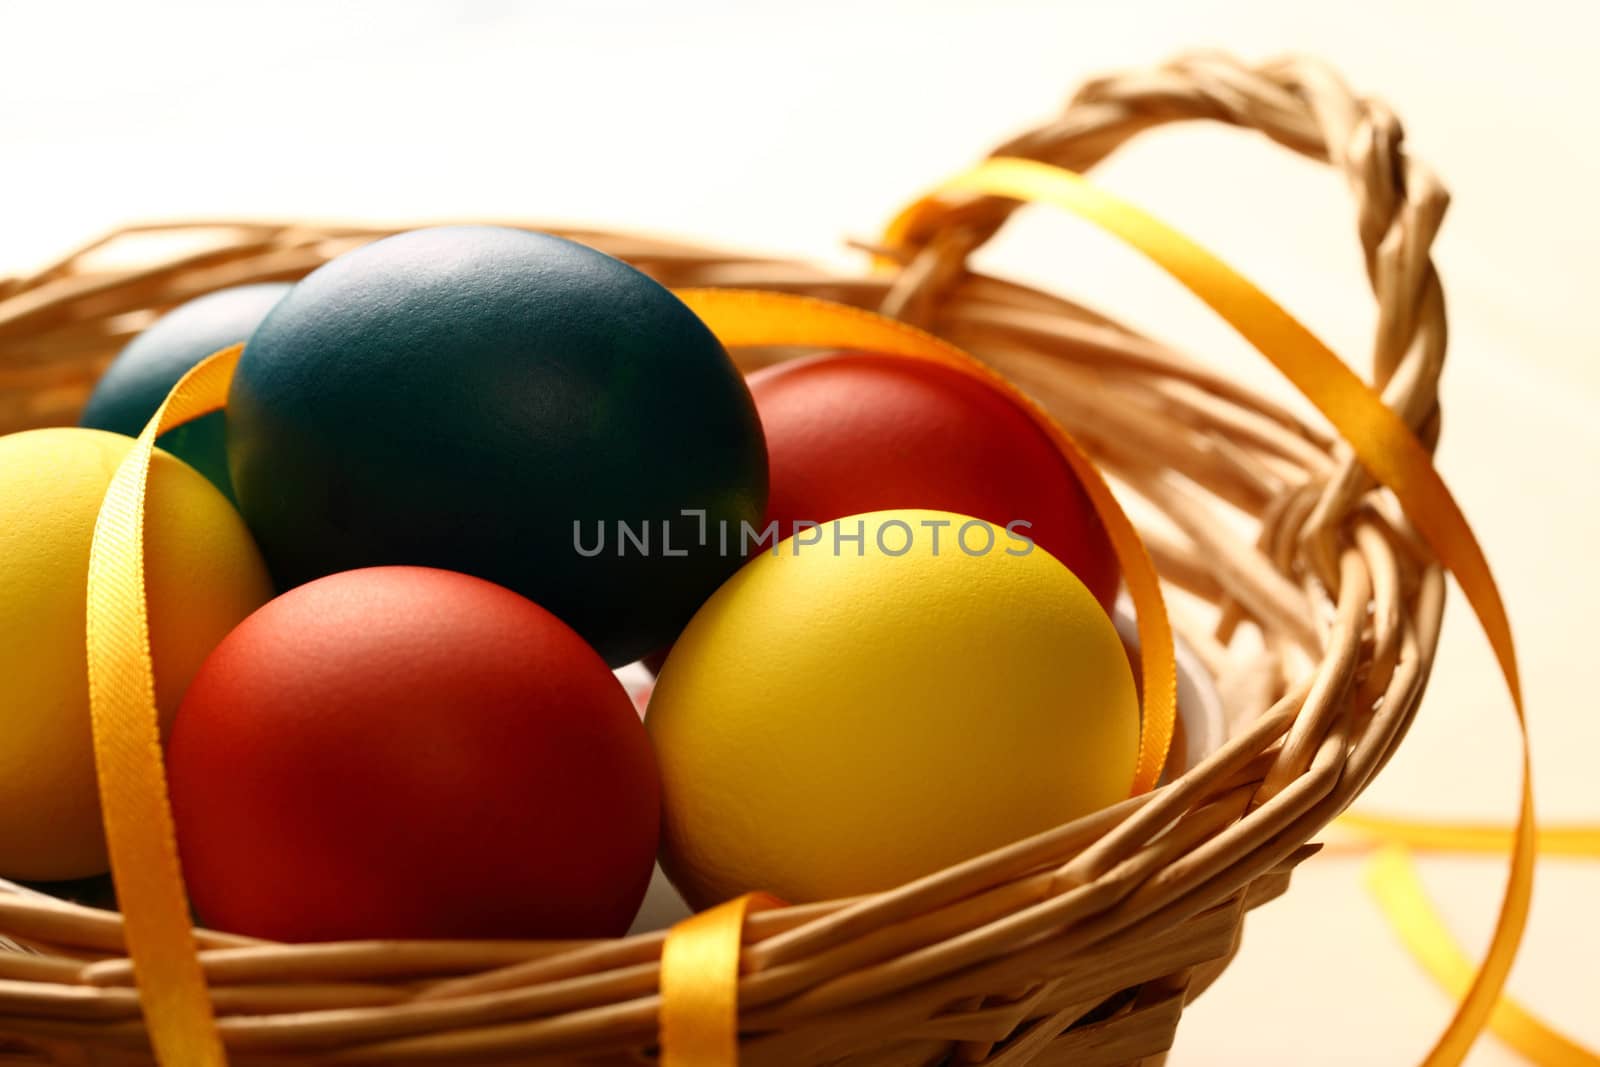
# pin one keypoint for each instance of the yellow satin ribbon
(127, 745)
(1392, 877)
(1380, 440)
(1582, 841)
(700, 984)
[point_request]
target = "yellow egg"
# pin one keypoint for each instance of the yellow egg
(852, 715)
(203, 576)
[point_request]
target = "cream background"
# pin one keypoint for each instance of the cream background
(786, 127)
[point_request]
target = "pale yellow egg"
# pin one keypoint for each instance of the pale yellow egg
(847, 718)
(203, 576)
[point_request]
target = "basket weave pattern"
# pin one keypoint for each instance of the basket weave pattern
(1077, 946)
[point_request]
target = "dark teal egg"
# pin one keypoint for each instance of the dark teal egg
(488, 400)
(145, 371)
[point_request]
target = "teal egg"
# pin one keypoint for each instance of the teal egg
(494, 401)
(145, 371)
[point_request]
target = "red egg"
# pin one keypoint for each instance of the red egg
(848, 434)
(402, 752)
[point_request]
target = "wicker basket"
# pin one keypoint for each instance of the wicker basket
(1078, 946)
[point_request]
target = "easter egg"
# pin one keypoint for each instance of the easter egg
(202, 575)
(880, 698)
(414, 753)
(145, 371)
(505, 404)
(848, 434)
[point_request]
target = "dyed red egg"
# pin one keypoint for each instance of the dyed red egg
(848, 434)
(401, 752)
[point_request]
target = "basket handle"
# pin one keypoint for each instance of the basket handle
(1299, 103)
(1387, 447)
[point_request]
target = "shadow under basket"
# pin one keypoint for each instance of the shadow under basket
(1299, 586)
